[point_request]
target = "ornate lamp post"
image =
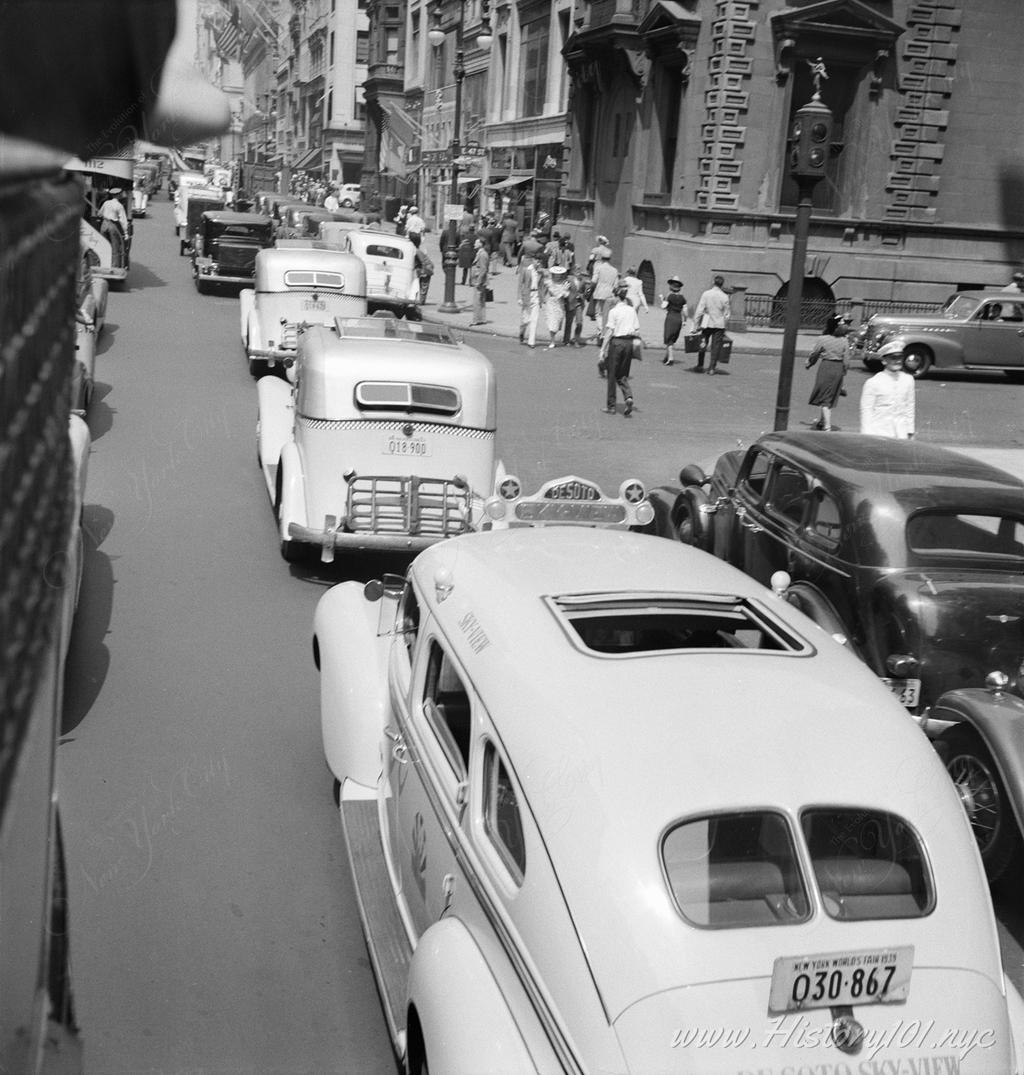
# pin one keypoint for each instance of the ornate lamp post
(436, 36)
(810, 141)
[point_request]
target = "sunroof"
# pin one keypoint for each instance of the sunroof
(627, 625)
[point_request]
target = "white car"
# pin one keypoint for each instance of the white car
(607, 801)
(391, 280)
(90, 315)
(297, 284)
(385, 439)
(350, 195)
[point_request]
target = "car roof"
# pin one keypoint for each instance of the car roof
(913, 473)
(273, 262)
(611, 750)
(229, 217)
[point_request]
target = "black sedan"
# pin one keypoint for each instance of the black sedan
(913, 557)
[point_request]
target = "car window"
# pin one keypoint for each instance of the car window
(408, 619)
(729, 871)
(757, 473)
(503, 821)
(378, 250)
(446, 706)
(788, 495)
(825, 522)
(867, 863)
(952, 534)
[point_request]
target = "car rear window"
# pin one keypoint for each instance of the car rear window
(728, 871)
(378, 250)
(867, 864)
(951, 534)
(401, 395)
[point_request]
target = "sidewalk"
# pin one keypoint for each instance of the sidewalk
(503, 314)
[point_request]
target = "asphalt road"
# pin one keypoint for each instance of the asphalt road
(214, 927)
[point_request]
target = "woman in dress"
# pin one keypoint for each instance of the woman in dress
(675, 303)
(831, 348)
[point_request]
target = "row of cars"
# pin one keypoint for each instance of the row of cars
(604, 793)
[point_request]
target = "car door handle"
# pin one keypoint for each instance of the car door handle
(399, 751)
(747, 523)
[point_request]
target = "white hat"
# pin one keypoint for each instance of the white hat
(414, 208)
(558, 270)
(889, 349)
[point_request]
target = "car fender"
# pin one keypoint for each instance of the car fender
(465, 1021)
(354, 705)
(663, 501)
(274, 407)
(246, 301)
(292, 508)
(998, 718)
(1015, 1011)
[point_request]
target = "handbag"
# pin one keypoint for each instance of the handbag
(691, 343)
(725, 354)
(638, 349)
(488, 295)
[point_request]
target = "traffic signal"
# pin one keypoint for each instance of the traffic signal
(810, 141)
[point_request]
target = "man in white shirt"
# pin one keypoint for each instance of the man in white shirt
(114, 226)
(713, 313)
(331, 203)
(415, 225)
(887, 399)
(621, 331)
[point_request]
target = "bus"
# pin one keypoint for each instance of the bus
(101, 176)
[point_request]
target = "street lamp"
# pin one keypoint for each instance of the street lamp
(436, 35)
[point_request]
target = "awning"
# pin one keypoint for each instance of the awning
(463, 179)
(313, 161)
(512, 181)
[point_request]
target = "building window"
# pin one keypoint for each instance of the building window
(362, 46)
(391, 46)
(670, 94)
(412, 58)
(330, 106)
(331, 60)
(534, 67)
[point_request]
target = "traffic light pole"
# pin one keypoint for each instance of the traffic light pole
(811, 138)
(794, 300)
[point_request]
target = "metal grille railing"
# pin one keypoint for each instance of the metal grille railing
(416, 506)
(769, 311)
(39, 252)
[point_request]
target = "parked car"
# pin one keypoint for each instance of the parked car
(385, 439)
(914, 556)
(979, 330)
(350, 195)
(601, 792)
(391, 281)
(296, 287)
(90, 316)
(225, 247)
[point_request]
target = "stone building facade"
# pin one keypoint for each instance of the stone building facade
(677, 142)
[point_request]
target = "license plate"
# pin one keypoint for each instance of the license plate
(875, 976)
(908, 691)
(314, 304)
(416, 447)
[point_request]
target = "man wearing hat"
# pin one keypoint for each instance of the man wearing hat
(415, 225)
(605, 278)
(114, 226)
(887, 399)
(1017, 283)
(621, 332)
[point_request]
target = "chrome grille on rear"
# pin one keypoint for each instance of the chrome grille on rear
(415, 506)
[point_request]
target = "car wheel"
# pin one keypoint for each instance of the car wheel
(292, 551)
(258, 367)
(917, 360)
(347, 203)
(691, 524)
(872, 365)
(201, 286)
(981, 790)
(1016, 376)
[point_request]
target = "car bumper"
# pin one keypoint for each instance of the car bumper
(331, 538)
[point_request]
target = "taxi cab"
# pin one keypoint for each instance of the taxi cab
(296, 284)
(391, 281)
(384, 440)
(604, 796)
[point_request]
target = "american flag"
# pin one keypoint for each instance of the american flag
(230, 36)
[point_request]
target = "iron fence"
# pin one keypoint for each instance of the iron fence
(769, 311)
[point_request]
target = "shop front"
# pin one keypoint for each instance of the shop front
(525, 180)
